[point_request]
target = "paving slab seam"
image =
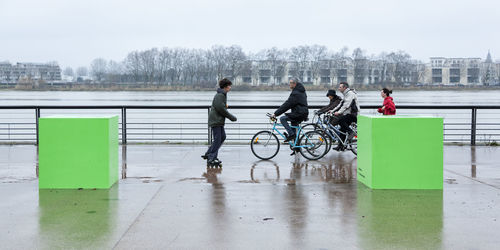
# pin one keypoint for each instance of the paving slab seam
(473, 179)
(137, 218)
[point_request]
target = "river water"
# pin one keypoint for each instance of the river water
(190, 125)
(451, 97)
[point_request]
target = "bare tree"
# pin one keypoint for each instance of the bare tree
(319, 54)
(81, 71)
(177, 64)
(235, 58)
(278, 61)
(98, 68)
(68, 71)
(115, 71)
(301, 55)
(402, 64)
(133, 65)
(194, 62)
(164, 61)
(218, 58)
(205, 67)
(148, 59)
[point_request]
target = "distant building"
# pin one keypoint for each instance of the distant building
(453, 71)
(439, 71)
(490, 71)
(29, 72)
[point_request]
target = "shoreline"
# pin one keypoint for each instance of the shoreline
(242, 88)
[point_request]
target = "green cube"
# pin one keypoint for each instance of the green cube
(400, 152)
(78, 152)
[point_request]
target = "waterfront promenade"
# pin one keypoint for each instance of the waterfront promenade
(167, 199)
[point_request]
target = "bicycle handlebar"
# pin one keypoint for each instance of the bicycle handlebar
(271, 117)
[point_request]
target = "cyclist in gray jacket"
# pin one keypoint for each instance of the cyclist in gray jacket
(347, 110)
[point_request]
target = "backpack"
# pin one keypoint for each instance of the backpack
(354, 107)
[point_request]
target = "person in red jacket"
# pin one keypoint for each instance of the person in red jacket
(388, 107)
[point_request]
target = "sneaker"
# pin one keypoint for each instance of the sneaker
(213, 162)
(294, 151)
(350, 136)
(290, 138)
(205, 156)
(339, 148)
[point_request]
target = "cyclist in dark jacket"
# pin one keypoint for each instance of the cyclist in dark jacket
(334, 101)
(297, 102)
(216, 120)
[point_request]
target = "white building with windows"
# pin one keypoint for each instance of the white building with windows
(27, 72)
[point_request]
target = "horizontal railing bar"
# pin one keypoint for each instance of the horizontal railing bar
(128, 107)
(453, 130)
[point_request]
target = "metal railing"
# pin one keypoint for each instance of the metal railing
(463, 123)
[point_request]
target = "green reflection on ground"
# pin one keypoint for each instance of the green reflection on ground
(399, 219)
(76, 218)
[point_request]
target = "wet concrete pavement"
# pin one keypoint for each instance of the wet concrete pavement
(170, 200)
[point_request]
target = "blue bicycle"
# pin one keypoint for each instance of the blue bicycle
(265, 144)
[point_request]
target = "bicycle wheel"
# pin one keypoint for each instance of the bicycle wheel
(315, 145)
(310, 127)
(353, 146)
(265, 145)
(332, 142)
(315, 127)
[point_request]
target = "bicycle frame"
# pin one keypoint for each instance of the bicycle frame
(294, 143)
(332, 131)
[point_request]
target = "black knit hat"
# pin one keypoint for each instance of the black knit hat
(331, 92)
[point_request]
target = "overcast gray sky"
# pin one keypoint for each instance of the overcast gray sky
(74, 32)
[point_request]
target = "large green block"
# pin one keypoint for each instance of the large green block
(400, 152)
(78, 152)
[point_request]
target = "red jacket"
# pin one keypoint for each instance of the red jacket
(390, 108)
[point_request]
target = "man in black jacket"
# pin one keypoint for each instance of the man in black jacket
(297, 102)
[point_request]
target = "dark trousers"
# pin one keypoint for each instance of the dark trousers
(219, 136)
(344, 122)
(284, 121)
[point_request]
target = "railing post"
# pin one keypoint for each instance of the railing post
(473, 127)
(124, 126)
(209, 130)
(37, 116)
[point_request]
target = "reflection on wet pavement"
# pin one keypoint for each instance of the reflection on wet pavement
(76, 218)
(473, 162)
(124, 161)
(266, 177)
(211, 175)
(400, 219)
(333, 169)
